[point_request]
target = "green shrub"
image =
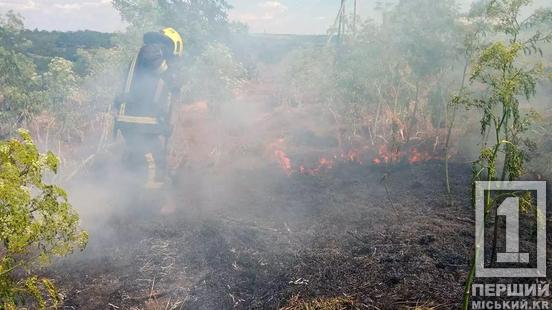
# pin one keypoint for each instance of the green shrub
(36, 223)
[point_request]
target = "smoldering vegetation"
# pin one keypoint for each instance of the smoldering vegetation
(307, 172)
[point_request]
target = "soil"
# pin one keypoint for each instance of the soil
(383, 236)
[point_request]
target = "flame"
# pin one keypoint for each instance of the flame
(284, 161)
(417, 156)
(412, 155)
(323, 164)
(281, 156)
(386, 156)
(352, 155)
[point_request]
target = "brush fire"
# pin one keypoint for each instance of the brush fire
(413, 155)
(289, 155)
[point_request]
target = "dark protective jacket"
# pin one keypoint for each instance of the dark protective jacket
(145, 104)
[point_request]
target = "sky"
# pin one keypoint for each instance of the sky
(291, 16)
(270, 16)
(66, 14)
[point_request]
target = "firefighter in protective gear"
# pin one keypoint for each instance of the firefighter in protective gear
(144, 108)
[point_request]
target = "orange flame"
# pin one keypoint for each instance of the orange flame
(412, 155)
(352, 155)
(284, 161)
(323, 164)
(281, 156)
(386, 156)
(417, 156)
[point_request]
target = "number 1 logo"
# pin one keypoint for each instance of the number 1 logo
(510, 209)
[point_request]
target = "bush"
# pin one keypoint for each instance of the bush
(215, 75)
(36, 223)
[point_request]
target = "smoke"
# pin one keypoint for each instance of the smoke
(263, 120)
(236, 121)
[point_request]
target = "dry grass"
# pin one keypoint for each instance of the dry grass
(336, 303)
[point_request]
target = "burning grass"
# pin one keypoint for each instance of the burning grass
(364, 155)
(284, 242)
(272, 214)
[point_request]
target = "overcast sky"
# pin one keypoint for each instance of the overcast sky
(271, 16)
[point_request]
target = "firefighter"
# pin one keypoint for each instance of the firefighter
(143, 110)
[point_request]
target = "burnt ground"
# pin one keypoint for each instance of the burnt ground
(383, 237)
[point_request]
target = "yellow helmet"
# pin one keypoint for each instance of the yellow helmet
(174, 36)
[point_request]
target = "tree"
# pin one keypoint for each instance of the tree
(425, 33)
(49, 44)
(215, 75)
(506, 81)
(20, 85)
(25, 92)
(474, 32)
(60, 81)
(61, 86)
(206, 32)
(37, 223)
(380, 82)
(102, 71)
(199, 21)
